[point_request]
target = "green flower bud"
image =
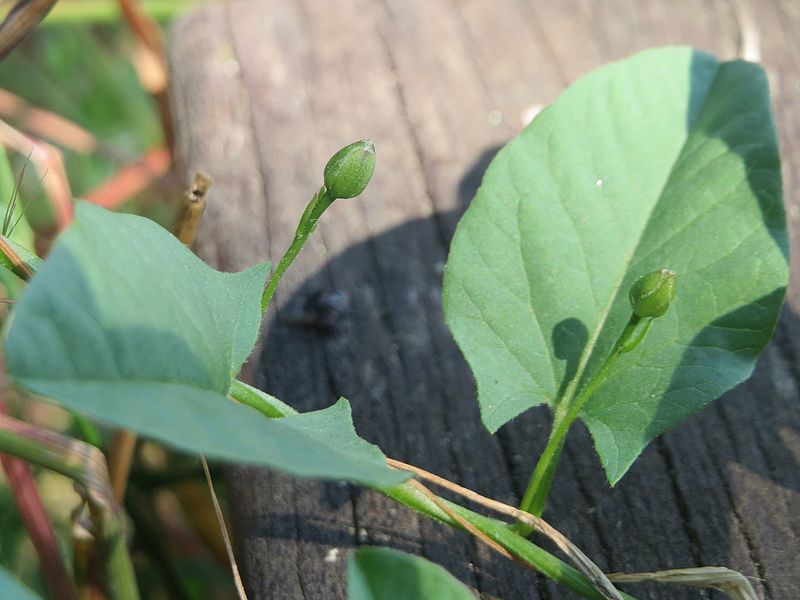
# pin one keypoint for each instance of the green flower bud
(652, 293)
(349, 170)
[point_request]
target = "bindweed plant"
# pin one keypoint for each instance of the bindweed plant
(623, 262)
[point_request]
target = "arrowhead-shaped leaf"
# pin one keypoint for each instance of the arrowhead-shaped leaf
(668, 159)
(126, 325)
(384, 574)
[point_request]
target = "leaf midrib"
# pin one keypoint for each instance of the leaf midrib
(575, 384)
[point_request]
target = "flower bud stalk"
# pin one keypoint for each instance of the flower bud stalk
(346, 175)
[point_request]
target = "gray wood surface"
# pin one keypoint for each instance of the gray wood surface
(265, 90)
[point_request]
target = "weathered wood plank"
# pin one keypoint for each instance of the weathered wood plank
(265, 91)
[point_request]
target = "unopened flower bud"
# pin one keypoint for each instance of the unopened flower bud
(349, 170)
(652, 293)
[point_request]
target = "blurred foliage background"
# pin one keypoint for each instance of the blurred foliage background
(79, 118)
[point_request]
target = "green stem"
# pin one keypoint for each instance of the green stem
(306, 226)
(535, 497)
(261, 401)
(532, 555)
(527, 552)
(85, 465)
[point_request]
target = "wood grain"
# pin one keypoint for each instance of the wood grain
(265, 91)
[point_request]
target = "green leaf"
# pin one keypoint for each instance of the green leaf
(126, 325)
(384, 574)
(12, 589)
(668, 159)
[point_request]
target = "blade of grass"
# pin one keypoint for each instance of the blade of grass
(237, 578)
(49, 163)
(731, 583)
(576, 556)
(523, 550)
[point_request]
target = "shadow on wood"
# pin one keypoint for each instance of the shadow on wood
(693, 498)
(434, 82)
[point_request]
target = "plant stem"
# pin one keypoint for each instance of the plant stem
(527, 552)
(306, 226)
(535, 497)
(261, 401)
(39, 527)
(37, 522)
(11, 259)
(85, 465)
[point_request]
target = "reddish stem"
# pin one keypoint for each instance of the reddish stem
(39, 527)
(37, 522)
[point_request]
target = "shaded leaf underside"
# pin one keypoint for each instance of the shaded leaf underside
(126, 325)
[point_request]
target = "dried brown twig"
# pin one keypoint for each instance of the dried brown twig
(579, 560)
(20, 21)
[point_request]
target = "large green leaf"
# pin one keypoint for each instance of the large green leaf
(666, 159)
(384, 574)
(11, 589)
(126, 325)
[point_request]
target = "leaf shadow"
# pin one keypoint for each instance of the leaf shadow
(386, 348)
(742, 135)
(569, 338)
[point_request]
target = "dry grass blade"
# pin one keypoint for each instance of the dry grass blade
(19, 267)
(731, 583)
(466, 525)
(237, 578)
(579, 560)
(20, 21)
(47, 159)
